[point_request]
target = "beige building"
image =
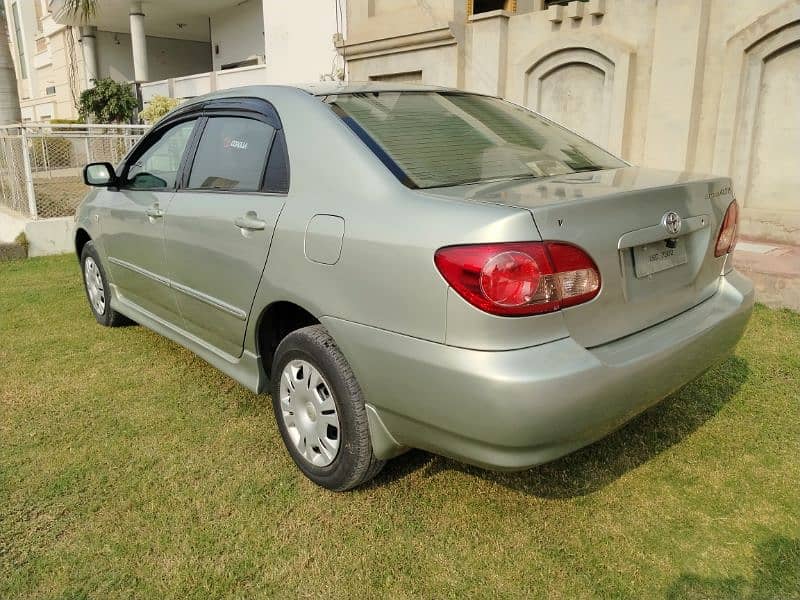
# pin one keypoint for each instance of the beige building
(699, 85)
(47, 60)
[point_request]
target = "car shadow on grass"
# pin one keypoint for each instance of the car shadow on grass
(776, 574)
(601, 463)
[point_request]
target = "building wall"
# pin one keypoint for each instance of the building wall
(299, 40)
(166, 57)
(27, 17)
(53, 63)
(699, 85)
(237, 34)
(60, 69)
(9, 98)
(392, 39)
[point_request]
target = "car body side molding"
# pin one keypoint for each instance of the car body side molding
(210, 300)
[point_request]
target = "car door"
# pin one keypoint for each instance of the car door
(132, 223)
(219, 225)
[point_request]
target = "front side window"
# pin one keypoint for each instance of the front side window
(231, 154)
(158, 166)
(436, 139)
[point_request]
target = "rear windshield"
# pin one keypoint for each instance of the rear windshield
(435, 139)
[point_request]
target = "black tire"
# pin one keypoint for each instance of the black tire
(354, 463)
(108, 316)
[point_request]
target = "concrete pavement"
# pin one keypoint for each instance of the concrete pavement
(774, 269)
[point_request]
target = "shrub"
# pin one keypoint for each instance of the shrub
(157, 108)
(56, 122)
(108, 101)
(16, 249)
(22, 240)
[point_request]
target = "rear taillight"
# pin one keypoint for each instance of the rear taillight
(729, 230)
(519, 278)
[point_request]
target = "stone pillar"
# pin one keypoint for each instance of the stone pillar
(676, 84)
(138, 43)
(487, 53)
(89, 45)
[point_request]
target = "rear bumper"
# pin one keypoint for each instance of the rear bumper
(518, 408)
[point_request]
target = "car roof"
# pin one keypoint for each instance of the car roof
(322, 88)
(319, 89)
(325, 88)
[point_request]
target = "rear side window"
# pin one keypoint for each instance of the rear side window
(231, 155)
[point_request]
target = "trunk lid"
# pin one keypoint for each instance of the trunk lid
(610, 213)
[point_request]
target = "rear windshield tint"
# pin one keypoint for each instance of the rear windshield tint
(434, 139)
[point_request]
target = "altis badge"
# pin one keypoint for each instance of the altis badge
(726, 191)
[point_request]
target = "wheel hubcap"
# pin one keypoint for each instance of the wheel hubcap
(94, 285)
(309, 413)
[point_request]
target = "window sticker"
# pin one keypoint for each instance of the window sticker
(229, 142)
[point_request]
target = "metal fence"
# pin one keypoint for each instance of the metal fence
(41, 165)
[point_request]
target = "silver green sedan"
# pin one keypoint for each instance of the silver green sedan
(414, 267)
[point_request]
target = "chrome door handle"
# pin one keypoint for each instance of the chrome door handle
(154, 212)
(250, 221)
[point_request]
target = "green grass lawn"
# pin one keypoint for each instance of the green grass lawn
(130, 468)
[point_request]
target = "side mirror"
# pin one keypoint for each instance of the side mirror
(99, 174)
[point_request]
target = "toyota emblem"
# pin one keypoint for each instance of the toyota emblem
(672, 222)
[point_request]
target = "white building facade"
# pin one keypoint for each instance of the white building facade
(185, 48)
(178, 48)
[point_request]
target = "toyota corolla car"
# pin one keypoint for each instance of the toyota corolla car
(410, 266)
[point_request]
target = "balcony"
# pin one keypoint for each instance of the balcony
(190, 86)
(153, 43)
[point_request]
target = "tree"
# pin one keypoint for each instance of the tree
(82, 9)
(108, 101)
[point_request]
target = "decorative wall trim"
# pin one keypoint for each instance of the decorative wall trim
(494, 14)
(745, 55)
(433, 38)
(613, 57)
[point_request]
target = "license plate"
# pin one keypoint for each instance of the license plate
(658, 256)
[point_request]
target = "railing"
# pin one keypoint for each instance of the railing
(41, 165)
(203, 83)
